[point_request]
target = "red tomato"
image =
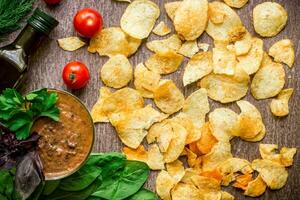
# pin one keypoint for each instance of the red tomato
(87, 22)
(52, 2)
(75, 75)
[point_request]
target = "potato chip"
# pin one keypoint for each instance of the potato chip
(196, 106)
(139, 18)
(97, 112)
(161, 29)
(145, 81)
(193, 147)
(251, 62)
(224, 88)
(224, 60)
(283, 51)
(287, 155)
(220, 152)
(164, 62)
(176, 170)
(171, 8)
(189, 48)
(280, 105)
(191, 18)
(236, 3)
(193, 160)
(155, 158)
(70, 43)
(215, 174)
(242, 181)
(267, 152)
(113, 41)
(171, 43)
(168, 98)
(256, 187)
(222, 121)
(164, 184)
(203, 46)
(274, 175)
(207, 140)
(189, 173)
(269, 80)
(269, 18)
(198, 66)
(206, 184)
(139, 154)
(226, 196)
(243, 46)
(227, 19)
(237, 33)
(183, 191)
(116, 72)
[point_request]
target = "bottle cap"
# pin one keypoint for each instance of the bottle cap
(42, 22)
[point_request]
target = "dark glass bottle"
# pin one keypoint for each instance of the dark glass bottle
(14, 57)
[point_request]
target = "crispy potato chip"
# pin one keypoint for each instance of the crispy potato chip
(167, 97)
(171, 43)
(215, 174)
(222, 121)
(243, 45)
(224, 88)
(189, 48)
(193, 147)
(164, 184)
(70, 43)
(259, 137)
(164, 62)
(203, 46)
(207, 140)
(139, 154)
(139, 18)
(145, 81)
(236, 3)
(113, 41)
(191, 18)
(226, 196)
(274, 175)
(223, 21)
(171, 8)
(269, 80)
(283, 51)
(237, 33)
(155, 158)
(256, 187)
(189, 173)
(198, 66)
(97, 112)
(196, 106)
(206, 184)
(220, 152)
(269, 18)
(280, 105)
(224, 60)
(192, 159)
(116, 72)
(176, 170)
(183, 191)
(287, 155)
(251, 62)
(242, 181)
(161, 29)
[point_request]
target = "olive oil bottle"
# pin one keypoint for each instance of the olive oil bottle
(14, 57)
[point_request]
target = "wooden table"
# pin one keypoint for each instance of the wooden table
(47, 64)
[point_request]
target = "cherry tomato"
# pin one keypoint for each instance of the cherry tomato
(52, 2)
(75, 75)
(87, 22)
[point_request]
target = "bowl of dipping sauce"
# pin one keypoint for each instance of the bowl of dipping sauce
(64, 146)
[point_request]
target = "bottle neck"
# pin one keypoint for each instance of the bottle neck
(28, 39)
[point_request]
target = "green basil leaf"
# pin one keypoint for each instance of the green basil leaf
(50, 186)
(143, 194)
(6, 183)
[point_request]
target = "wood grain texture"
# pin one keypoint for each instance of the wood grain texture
(47, 63)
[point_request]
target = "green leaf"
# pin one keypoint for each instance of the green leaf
(24, 132)
(50, 186)
(31, 96)
(143, 194)
(6, 183)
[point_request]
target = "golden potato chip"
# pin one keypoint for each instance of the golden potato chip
(155, 158)
(176, 170)
(287, 155)
(139, 154)
(269, 80)
(222, 121)
(161, 29)
(274, 175)
(283, 51)
(113, 41)
(251, 62)
(193, 160)
(269, 18)
(97, 112)
(191, 18)
(237, 33)
(70, 43)
(267, 152)
(206, 184)
(198, 66)
(243, 45)
(215, 174)
(189, 173)
(224, 88)
(236, 3)
(226, 196)
(196, 106)
(145, 81)
(280, 105)
(227, 20)
(164, 62)
(207, 140)
(224, 60)
(139, 18)
(220, 152)
(116, 72)
(189, 48)
(185, 191)
(171, 8)
(256, 187)
(242, 181)
(193, 147)
(171, 43)
(203, 46)
(164, 184)
(167, 97)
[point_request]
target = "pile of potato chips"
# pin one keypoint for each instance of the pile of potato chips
(180, 129)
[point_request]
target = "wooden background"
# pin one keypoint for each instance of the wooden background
(47, 63)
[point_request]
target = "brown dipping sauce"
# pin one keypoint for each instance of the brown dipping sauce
(65, 145)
